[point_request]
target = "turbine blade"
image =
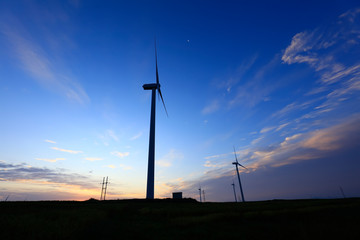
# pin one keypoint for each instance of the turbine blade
(157, 72)
(242, 166)
(235, 155)
(162, 99)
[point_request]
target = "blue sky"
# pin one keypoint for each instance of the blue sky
(278, 80)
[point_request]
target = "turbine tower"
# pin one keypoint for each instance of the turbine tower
(200, 193)
(233, 185)
(151, 159)
(236, 163)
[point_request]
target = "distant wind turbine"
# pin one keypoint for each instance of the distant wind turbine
(342, 192)
(200, 193)
(233, 184)
(151, 159)
(236, 163)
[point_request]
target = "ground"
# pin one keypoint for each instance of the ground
(188, 219)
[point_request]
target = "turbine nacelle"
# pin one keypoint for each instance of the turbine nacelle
(151, 86)
(237, 163)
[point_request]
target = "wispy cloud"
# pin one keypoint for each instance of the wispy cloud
(110, 166)
(215, 164)
(136, 136)
(309, 145)
(282, 126)
(169, 158)
(125, 167)
(50, 160)
(267, 129)
(39, 62)
(309, 47)
(66, 150)
(108, 136)
(211, 107)
(254, 89)
(112, 135)
(216, 156)
(23, 173)
(92, 159)
(296, 107)
(257, 140)
(120, 154)
(49, 141)
(331, 51)
(241, 70)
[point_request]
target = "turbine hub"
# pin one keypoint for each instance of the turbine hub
(151, 86)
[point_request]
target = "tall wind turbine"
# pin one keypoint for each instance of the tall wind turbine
(233, 185)
(236, 163)
(151, 162)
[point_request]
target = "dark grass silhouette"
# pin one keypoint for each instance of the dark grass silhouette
(186, 219)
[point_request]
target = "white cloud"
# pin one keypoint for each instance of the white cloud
(350, 15)
(267, 129)
(49, 141)
(282, 126)
(112, 135)
(290, 139)
(216, 164)
(169, 158)
(125, 167)
(212, 107)
(110, 166)
(216, 156)
(50, 160)
(257, 140)
(91, 159)
(309, 47)
(66, 150)
(120, 154)
(136, 136)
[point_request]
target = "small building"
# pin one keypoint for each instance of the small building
(177, 195)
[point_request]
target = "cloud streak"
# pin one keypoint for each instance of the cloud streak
(92, 159)
(136, 136)
(169, 158)
(39, 62)
(50, 160)
(66, 150)
(120, 154)
(24, 173)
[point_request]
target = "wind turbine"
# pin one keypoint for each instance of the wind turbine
(236, 163)
(151, 159)
(233, 184)
(200, 193)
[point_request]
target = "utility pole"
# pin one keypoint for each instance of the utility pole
(102, 188)
(106, 183)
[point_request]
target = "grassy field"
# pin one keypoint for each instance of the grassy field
(166, 219)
